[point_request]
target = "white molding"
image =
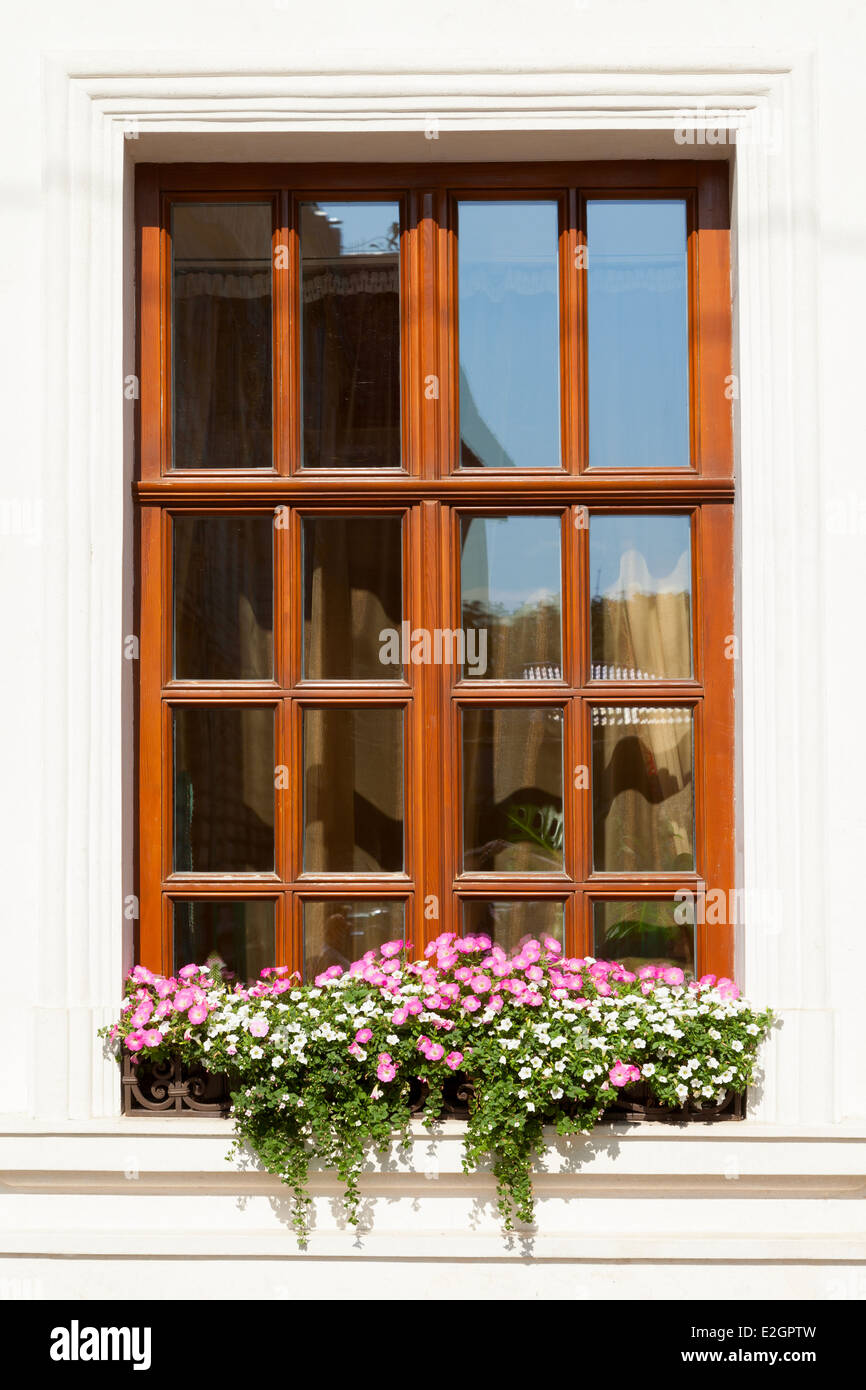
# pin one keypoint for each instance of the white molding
(89, 102)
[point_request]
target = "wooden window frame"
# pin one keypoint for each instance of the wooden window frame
(432, 491)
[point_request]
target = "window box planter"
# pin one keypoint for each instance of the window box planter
(175, 1088)
(513, 1045)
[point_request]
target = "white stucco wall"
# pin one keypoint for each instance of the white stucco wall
(564, 80)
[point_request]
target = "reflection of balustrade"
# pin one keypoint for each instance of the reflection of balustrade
(172, 1089)
(537, 672)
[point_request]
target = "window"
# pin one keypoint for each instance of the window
(436, 560)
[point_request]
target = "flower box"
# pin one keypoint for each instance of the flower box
(177, 1089)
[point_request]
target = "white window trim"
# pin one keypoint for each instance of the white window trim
(94, 110)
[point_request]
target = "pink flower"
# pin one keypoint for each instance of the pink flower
(187, 972)
(415, 1006)
(198, 1014)
(533, 999)
(423, 1043)
(135, 1041)
(673, 975)
(472, 1004)
(453, 1060)
(433, 1001)
(152, 1038)
(495, 1003)
(182, 1000)
(399, 1016)
(386, 1071)
(621, 1073)
(259, 1025)
(552, 946)
(141, 972)
(363, 1035)
(727, 989)
(357, 1051)
(480, 984)
(435, 1052)
(392, 948)
(142, 1013)
(231, 1049)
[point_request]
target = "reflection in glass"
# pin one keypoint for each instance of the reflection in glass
(643, 810)
(508, 334)
(512, 789)
(638, 333)
(223, 789)
(237, 938)
(640, 574)
(353, 587)
(353, 790)
(511, 577)
(223, 585)
(221, 334)
(510, 922)
(350, 333)
(340, 930)
(645, 932)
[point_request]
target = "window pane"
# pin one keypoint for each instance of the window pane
(223, 577)
(643, 810)
(509, 923)
(508, 295)
(512, 790)
(511, 577)
(223, 789)
(640, 570)
(353, 790)
(221, 335)
(644, 933)
(638, 333)
(353, 598)
(238, 936)
(350, 286)
(338, 931)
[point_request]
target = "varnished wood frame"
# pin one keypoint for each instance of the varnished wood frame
(432, 490)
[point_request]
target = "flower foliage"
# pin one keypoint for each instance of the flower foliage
(319, 1071)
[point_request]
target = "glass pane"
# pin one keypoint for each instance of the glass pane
(645, 932)
(510, 923)
(223, 577)
(353, 790)
(511, 577)
(340, 930)
(236, 936)
(223, 789)
(221, 335)
(508, 278)
(512, 790)
(638, 333)
(350, 286)
(353, 598)
(640, 570)
(643, 809)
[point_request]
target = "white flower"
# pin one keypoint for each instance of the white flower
(737, 1045)
(392, 1039)
(206, 1045)
(648, 1069)
(256, 1053)
(530, 1106)
(589, 1074)
(640, 1042)
(278, 1062)
(559, 1066)
(556, 1092)
(682, 1092)
(752, 1029)
(712, 1063)
(521, 1095)
(525, 1073)
(536, 1062)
